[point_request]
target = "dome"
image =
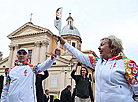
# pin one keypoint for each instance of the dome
(70, 29)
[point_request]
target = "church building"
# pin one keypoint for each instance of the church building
(41, 43)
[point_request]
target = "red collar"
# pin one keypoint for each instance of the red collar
(119, 56)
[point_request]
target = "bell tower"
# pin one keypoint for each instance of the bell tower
(71, 34)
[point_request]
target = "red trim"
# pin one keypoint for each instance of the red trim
(116, 57)
(52, 57)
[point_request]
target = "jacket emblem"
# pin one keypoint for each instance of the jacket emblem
(25, 72)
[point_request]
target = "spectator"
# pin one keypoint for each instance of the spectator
(39, 89)
(1, 85)
(56, 100)
(5, 75)
(83, 85)
(3, 80)
(66, 94)
(46, 96)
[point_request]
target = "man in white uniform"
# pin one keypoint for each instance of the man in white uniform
(20, 82)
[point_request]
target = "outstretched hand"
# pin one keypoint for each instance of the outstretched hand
(61, 40)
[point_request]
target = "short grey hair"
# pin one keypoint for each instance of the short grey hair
(115, 44)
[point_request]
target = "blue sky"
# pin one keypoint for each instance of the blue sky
(94, 19)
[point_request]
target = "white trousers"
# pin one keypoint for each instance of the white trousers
(78, 99)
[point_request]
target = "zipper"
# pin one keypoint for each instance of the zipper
(100, 72)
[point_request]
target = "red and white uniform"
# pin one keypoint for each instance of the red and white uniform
(20, 86)
(115, 79)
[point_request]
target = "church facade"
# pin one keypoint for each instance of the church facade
(40, 43)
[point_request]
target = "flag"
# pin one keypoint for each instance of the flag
(57, 21)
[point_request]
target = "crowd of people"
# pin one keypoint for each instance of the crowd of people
(116, 76)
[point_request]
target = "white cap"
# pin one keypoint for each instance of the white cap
(23, 49)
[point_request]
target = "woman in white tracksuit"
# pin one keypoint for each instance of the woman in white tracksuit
(20, 82)
(116, 76)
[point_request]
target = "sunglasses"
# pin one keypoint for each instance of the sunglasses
(22, 53)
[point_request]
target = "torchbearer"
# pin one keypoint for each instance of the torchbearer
(20, 81)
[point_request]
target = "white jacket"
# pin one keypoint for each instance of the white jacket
(22, 82)
(115, 79)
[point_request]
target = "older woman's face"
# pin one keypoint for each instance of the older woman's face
(105, 51)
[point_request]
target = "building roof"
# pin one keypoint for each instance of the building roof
(33, 30)
(70, 29)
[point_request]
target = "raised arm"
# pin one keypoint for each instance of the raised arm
(73, 73)
(46, 74)
(85, 59)
(48, 63)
